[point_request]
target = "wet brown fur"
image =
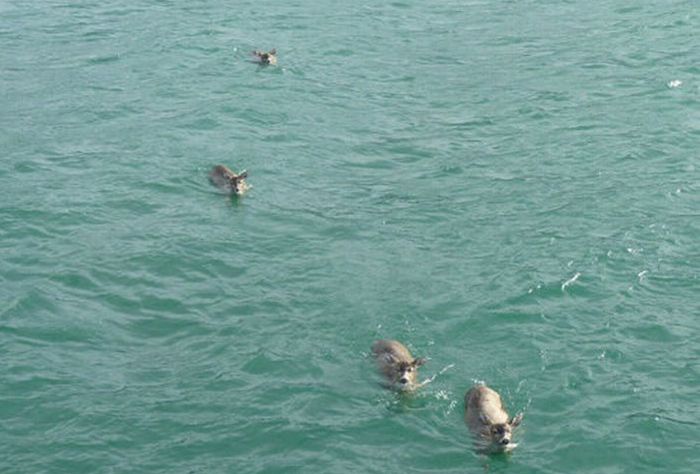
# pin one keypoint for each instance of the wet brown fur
(488, 420)
(229, 181)
(266, 57)
(396, 364)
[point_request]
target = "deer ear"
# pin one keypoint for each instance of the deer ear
(516, 420)
(243, 175)
(273, 51)
(418, 362)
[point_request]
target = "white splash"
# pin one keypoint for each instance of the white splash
(442, 395)
(442, 371)
(674, 84)
(570, 281)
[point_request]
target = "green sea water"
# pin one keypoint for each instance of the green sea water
(511, 188)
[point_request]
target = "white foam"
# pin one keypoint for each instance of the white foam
(674, 84)
(570, 281)
(442, 371)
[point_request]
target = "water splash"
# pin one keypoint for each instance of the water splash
(570, 281)
(442, 371)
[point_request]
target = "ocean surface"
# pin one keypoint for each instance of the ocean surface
(511, 188)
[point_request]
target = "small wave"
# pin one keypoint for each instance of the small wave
(104, 59)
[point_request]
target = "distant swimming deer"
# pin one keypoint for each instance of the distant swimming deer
(488, 420)
(397, 364)
(229, 181)
(266, 57)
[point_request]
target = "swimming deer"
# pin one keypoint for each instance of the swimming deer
(269, 57)
(229, 181)
(488, 420)
(397, 364)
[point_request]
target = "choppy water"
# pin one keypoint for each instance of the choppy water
(511, 188)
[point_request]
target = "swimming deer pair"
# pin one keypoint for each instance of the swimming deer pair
(484, 412)
(222, 176)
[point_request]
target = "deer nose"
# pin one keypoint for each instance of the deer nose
(403, 380)
(505, 441)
